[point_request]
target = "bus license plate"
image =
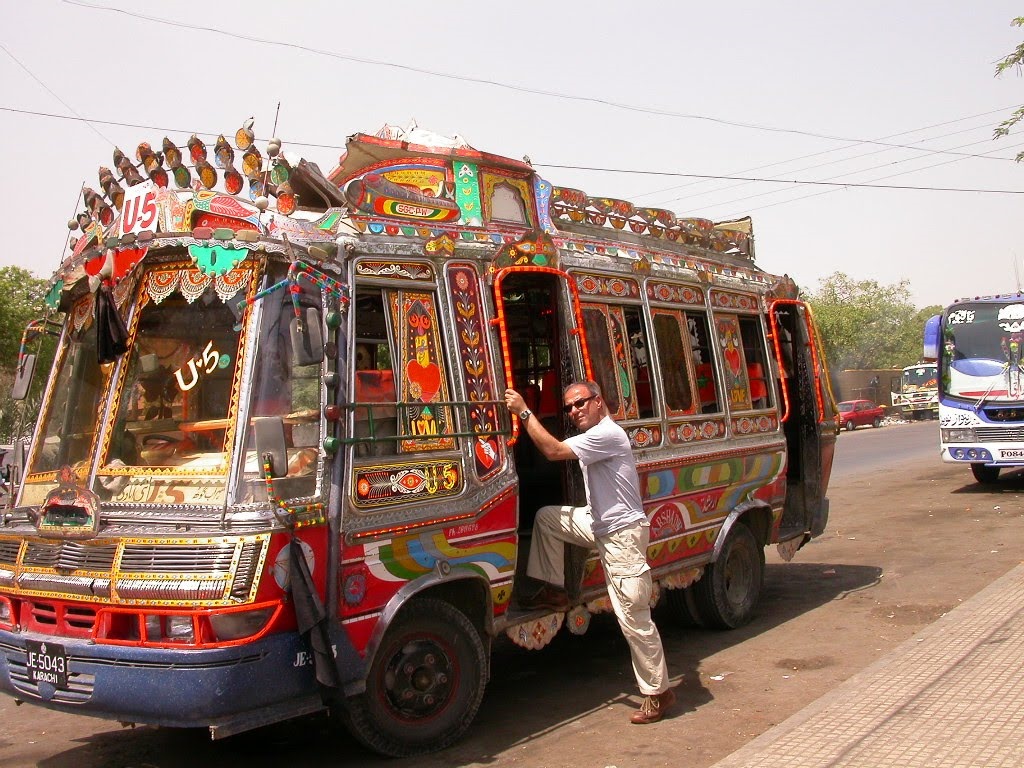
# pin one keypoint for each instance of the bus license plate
(1011, 453)
(47, 663)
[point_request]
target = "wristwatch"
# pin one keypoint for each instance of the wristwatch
(525, 415)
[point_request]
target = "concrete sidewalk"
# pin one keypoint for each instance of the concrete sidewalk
(951, 696)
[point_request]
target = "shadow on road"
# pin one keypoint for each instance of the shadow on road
(1010, 481)
(530, 693)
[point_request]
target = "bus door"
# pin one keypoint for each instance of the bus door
(807, 416)
(543, 350)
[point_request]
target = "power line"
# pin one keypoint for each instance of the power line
(485, 81)
(674, 174)
(795, 182)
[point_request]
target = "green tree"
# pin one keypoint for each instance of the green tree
(865, 325)
(1012, 60)
(23, 301)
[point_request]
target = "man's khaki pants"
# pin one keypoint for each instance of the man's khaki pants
(626, 572)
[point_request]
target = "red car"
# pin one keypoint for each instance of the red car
(860, 413)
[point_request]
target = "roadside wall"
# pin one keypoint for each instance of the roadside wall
(874, 384)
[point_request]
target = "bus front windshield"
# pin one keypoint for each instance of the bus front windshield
(920, 377)
(982, 345)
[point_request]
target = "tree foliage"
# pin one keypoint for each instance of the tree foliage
(865, 325)
(1011, 61)
(23, 301)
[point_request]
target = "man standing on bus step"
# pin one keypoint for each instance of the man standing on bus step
(613, 522)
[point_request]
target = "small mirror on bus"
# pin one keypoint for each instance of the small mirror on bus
(932, 337)
(23, 377)
(307, 338)
(269, 434)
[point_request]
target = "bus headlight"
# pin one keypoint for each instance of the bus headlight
(958, 435)
(238, 624)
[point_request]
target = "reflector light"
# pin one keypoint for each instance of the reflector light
(224, 154)
(182, 177)
(110, 187)
(252, 162)
(233, 182)
(244, 136)
(207, 174)
(286, 203)
(196, 149)
(97, 207)
(172, 153)
(159, 176)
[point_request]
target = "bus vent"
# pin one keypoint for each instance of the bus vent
(70, 556)
(204, 559)
(248, 561)
(9, 549)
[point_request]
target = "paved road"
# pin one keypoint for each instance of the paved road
(868, 450)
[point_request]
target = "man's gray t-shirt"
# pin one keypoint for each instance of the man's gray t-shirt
(609, 473)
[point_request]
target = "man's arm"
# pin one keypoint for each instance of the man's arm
(552, 448)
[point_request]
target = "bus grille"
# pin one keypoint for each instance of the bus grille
(999, 435)
(215, 571)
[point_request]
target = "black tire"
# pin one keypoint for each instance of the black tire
(876, 423)
(425, 684)
(850, 426)
(985, 474)
(683, 607)
(730, 588)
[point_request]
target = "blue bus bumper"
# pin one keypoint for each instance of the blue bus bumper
(230, 689)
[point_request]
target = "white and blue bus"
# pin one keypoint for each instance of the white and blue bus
(977, 344)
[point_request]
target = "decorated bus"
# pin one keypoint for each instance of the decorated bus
(273, 473)
(918, 394)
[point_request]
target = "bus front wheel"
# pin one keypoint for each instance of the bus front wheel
(425, 685)
(984, 473)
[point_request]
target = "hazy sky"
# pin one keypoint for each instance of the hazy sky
(796, 91)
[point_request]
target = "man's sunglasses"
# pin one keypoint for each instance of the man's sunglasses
(578, 403)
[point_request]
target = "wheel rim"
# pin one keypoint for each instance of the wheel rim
(419, 680)
(738, 576)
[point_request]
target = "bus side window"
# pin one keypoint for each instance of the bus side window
(700, 348)
(673, 361)
(640, 345)
(756, 360)
(374, 378)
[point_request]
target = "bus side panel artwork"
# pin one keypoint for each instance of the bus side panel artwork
(298, 489)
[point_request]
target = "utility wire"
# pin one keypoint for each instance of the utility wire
(837, 149)
(673, 174)
(484, 81)
(58, 98)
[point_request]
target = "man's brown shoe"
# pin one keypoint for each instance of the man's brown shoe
(653, 708)
(547, 597)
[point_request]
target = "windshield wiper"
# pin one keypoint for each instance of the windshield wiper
(995, 380)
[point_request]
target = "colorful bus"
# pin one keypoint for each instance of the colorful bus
(977, 345)
(918, 396)
(273, 473)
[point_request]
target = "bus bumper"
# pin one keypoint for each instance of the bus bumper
(228, 689)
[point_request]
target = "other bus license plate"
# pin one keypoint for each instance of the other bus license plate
(1011, 453)
(47, 663)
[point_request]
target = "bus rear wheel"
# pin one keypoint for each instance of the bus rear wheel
(730, 588)
(425, 684)
(985, 474)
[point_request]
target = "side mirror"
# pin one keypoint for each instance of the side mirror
(307, 338)
(269, 434)
(23, 377)
(932, 337)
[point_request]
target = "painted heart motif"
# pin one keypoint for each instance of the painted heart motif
(424, 380)
(486, 452)
(732, 359)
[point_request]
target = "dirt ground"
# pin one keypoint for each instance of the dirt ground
(902, 548)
